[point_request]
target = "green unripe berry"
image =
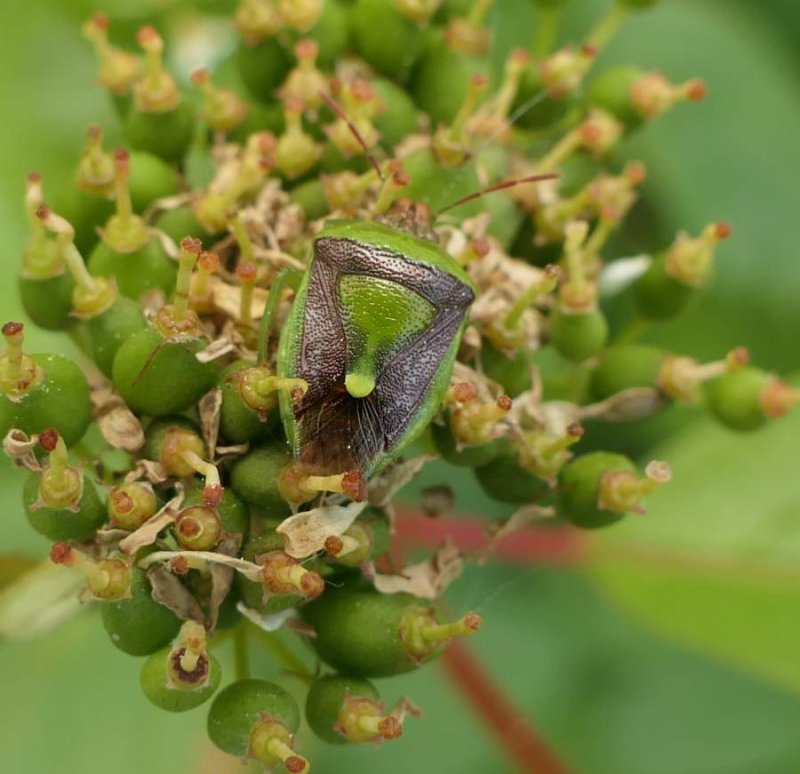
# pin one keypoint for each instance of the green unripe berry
(611, 90)
(181, 222)
(285, 583)
(578, 335)
(624, 367)
(438, 186)
(136, 272)
(599, 488)
(166, 135)
(442, 80)
(166, 441)
(366, 539)
(660, 296)
(110, 329)
(263, 67)
(48, 301)
(398, 119)
(183, 677)
(41, 391)
(311, 197)
(744, 399)
(129, 250)
(343, 709)
(367, 634)
(386, 38)
(540, 112)
(513, 373)
(107, 579)
(504, 480)
(86, 211)
(131, 505)
(45, 285)
(151, 178)
(254, 478)
(229, 509)
(63, 504)
(255, 719)
(139, 625)
(468, 456)
(157, 378)
(331, 32)
(246, 413)
(161, 121)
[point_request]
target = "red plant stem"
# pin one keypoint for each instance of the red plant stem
(552, 544)
(506, 722)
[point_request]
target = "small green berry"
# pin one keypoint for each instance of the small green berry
(746, 398)
(167, 440)
(599, 488)
(156, 371)
(131, 505)
(160, 121)
(254, 478)
(503, 479)
(137, 624)
(368, 634)
(61, 503)
(343, 709)
(41, 391)
(256, 720)
(183, 677)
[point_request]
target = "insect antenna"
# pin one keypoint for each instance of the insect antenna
(501, 186)
(340, 113)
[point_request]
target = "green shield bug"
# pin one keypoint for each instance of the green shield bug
(374, 332)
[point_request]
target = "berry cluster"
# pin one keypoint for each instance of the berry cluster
(347, 250)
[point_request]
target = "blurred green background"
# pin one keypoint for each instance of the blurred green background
(676, 648)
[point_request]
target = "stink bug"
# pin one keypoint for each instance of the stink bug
(374, 332)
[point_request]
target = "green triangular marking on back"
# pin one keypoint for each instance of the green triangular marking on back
(380, 318)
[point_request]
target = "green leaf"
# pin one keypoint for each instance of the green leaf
(715, 562)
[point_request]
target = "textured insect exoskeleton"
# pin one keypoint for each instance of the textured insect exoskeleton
(374, 332)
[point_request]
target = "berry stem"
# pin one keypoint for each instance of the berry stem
(58, 465)
(463, 627)
(395, 181)
(515, 66)
(12, 365)
(528, 298)
(241, 651)
(33, 200)
(606, 27)
(187, 257)
(246, 272)
(121, 186)
(206, 469)
(157, 91)
(117, 70)
(96, 171)
(125, 231)
(477, 13)
(238, 228)
(193, 641)
(561, 151)
(548, 21)
(201, 295)
(622, 490)
(577, 293)
(65, 236)
(108, 579)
